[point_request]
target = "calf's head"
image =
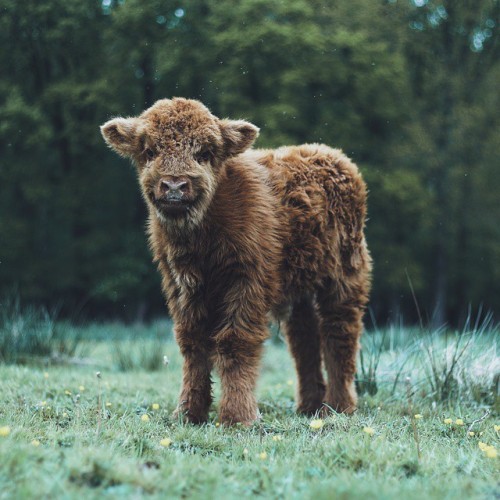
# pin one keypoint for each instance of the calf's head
(179, 149)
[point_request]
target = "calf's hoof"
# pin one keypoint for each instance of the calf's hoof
(341, 402)
(239, 415)
(309, 408)
(189, 417)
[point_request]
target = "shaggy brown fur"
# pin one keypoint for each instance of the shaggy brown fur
(239, 234)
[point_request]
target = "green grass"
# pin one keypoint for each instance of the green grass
(93, 443)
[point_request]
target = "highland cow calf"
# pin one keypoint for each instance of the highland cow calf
(239, 234)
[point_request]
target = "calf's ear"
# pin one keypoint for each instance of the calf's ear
(238, 135)
(121, 134)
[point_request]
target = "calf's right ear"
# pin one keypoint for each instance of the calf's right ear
(121, 134)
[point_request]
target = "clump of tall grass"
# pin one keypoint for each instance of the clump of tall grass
(147, 355)
(443, 364)
(369, 360)
(30, 333)
(462, 364)
(378, 343)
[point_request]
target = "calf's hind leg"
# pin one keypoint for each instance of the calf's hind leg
(302, 335)
(341, 312)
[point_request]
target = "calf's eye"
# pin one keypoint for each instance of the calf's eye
(203, 156)
(150, 154)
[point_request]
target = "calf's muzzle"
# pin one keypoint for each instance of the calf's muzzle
(173, 189)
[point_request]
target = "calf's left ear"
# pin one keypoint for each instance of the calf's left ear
(238, 135)
(121, 134)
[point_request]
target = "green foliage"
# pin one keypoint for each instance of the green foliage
(408, 90)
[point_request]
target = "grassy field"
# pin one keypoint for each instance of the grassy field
(67, 433)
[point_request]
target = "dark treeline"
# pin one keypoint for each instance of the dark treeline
(409, 89)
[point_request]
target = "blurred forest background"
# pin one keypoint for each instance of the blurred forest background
(408, 89)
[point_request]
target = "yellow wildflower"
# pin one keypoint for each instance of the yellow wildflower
(418, 416)
(35, 443)
(68, 393)
(81, 388)
(459, 421)
(472, 433)
(263, 455)
(217, 424)
(448, 421)
(369, 430)
(316, 424)
(65, 415)
(488, 450)
(277, 438)
(289, 382)
(145, 417)
(4, 431)
(497, 428)
(245, 451)
(155, 406)
(108, 404)
(166, 442)
(45, 375)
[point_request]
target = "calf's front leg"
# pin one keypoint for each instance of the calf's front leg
(237, 358)
(196, 393)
